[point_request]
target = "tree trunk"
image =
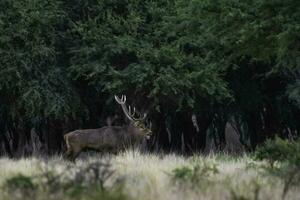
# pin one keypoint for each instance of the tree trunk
(161, 135)
(255, 129)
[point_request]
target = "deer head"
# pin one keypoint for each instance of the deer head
(137, 120)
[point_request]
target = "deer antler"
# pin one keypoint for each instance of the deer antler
(142, 118)
(122, 103)
(130, 114)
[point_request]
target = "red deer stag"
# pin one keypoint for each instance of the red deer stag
(109, 138)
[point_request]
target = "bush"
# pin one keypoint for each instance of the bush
(194, 175)
(20, 186)
(279, 150)
(287, 155)
(86, 182)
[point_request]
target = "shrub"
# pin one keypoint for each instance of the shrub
(194, 175)
(20, 186)
(279, 150)
(88, 182)
(85, 182)
(287, 154)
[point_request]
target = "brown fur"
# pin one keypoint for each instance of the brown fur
(109, 138)
(106, 139)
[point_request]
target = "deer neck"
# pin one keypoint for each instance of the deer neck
(133, 131)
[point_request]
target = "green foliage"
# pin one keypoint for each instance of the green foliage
(287, 154)
(75, 182)
(20, 186)
(256, 29)
(197, 175)
(20, 182)
(142, 58)
(33, 74)
(280, 150)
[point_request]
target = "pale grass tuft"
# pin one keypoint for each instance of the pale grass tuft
(149, 176)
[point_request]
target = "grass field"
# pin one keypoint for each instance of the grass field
(132, 175)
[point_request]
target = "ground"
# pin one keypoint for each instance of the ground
(132, 175)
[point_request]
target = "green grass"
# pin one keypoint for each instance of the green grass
(132, 175)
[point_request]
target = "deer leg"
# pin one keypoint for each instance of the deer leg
(68, 154)
(75, 153)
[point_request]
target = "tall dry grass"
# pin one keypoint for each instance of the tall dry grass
(152, 177)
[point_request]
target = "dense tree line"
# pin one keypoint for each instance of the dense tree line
(222, 62)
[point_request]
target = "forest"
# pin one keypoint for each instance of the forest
(217, 61)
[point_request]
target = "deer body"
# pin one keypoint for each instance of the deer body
(108, 138)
